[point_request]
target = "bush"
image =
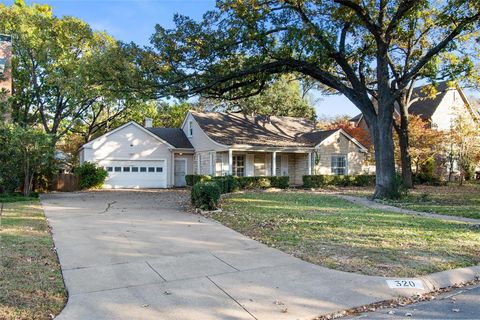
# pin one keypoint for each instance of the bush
(192, 179)
(263, 182)
(426, 174)
(280, 182)
(227, 184)
(205, 195)
(230, 183)
(91, 176)
(319, 181)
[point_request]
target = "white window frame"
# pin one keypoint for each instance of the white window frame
(335, 167)
(235, 166)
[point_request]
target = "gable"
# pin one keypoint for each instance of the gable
(129, 141)
(452, 105)
(199, 139)
(341, 142)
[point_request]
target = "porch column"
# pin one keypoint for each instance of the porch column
(230, 161)
(309, 163)
(274, 163)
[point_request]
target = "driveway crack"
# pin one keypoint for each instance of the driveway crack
(228, 264)
(109, 204)
(221, 289)
(148, 264)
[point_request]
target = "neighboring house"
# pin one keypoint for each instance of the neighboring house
(440, 111)
(220, 144)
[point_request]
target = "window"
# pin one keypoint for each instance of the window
(109, 169)
(339, 165)
(134, 169)
(118, 169)
(143, 169)
(190, 128)
(151, 169)
(126, 169)
(159, 169)
(238, 165)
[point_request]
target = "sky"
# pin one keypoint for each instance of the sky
(135, 20)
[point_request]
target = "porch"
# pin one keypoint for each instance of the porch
(256, 163)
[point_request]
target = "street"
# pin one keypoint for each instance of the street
(462, 303)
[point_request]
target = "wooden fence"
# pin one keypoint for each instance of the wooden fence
(65, 182)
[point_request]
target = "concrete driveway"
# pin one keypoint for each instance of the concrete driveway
(138, 255)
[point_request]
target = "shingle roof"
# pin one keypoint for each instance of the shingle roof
(175, 136)
(237, 128)
(425, 106)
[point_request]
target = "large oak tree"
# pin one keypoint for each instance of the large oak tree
(354, 47)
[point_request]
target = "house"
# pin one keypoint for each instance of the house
(439, 111)
(217, 144)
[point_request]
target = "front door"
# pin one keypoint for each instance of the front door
(180, 171)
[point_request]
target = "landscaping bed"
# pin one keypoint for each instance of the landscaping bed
(31, 283)
(452, 199)
(337, 234)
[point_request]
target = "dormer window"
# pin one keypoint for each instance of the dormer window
(190, 128)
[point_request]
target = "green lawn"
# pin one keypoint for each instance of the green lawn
(31, 283)
(452, 199)
(334, 233)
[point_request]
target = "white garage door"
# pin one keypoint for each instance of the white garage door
(135, 174)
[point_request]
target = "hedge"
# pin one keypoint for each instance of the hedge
(192, 179)
(205, 195)
(231, 183)
(318, 181)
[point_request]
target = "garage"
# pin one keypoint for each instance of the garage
(135, 174)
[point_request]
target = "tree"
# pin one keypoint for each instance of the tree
(282, 97)
(355, 48)
(343, 122)
(465, 146)
(425, 142)
(61, 68)
(25, 154)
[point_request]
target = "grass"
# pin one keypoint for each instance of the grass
(334, 233)
(451, 199)
(31, 283)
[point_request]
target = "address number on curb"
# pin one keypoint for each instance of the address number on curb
(405, 284)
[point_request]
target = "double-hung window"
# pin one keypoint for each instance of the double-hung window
(339, 164)
(239, 165)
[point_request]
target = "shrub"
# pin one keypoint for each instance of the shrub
(280, 182)
(263, 182)
(192, 179)
(205, 195)
(230, 183)
(319, 181)
(91, 176)
(227, 184)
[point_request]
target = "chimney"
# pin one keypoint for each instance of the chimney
(5, 71)
(148, 122)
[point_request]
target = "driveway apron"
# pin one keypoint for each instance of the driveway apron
(138, 255)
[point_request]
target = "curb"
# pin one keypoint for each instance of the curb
(450, 278)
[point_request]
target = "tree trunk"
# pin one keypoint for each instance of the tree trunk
(26, 180)
(403, 138)
(382, 132)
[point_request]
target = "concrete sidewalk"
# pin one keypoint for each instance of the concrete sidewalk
(137, 255)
